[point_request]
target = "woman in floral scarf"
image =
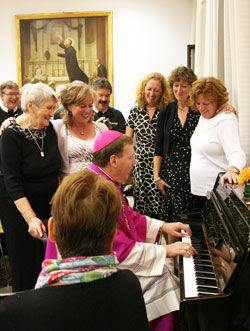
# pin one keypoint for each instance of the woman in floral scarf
(85, 212)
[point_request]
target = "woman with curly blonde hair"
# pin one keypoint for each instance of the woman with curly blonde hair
(151, 95)
(215, 143)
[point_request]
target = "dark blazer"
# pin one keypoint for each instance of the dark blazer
(109, 304)
(113, 115)
(4, 115)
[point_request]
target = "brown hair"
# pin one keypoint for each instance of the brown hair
(85, 209)
(181, 73)
(77, 93)
(102, 157)
(140, 90)
(212, 89)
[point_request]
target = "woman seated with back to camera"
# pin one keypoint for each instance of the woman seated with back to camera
(215, 143)
(85, 213)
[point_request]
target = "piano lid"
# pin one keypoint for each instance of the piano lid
(227, 224)
(230, 199)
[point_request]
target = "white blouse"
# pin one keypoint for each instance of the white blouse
(215, 146)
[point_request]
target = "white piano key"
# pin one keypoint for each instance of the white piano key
(189, 273)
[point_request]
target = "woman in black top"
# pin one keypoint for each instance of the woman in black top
(175, 126)
(30, 164)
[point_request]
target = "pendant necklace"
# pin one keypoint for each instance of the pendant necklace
(34, 138)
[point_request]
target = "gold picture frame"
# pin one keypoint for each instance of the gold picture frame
(38, 49)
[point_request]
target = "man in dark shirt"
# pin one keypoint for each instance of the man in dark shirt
(112, 117)
(10, 100)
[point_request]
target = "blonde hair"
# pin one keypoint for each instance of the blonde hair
(76, 93)
(212, 89)
(140, 90)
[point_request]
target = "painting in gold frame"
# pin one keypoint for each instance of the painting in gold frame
(40, 38)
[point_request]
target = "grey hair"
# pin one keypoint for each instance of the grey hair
(59, 88)
(36, 93)
(8, 84)
(102, 83)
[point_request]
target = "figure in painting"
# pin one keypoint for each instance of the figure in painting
(101, 69)
(72, 66)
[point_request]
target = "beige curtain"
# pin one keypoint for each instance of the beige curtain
(222, 49)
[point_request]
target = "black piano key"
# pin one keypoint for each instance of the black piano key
(201, 274)
(207, 282)
(197, 260)
(203, 268)
(207, 289)
(200, 241)
(201, 250)
(202, 246)
(205, 257)
(199, 264)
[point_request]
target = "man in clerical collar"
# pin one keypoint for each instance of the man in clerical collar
(10, 100)
(112, 117)
(137, 234)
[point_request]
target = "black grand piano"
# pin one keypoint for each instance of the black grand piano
(215, 284)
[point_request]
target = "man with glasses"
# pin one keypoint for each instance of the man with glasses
(10, 100)
(9, 107)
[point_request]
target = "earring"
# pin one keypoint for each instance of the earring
(70, 113)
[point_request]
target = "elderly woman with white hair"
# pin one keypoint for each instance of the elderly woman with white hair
(30, 163)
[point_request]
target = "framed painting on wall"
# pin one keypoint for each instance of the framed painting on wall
(63, 47)
(191, 56)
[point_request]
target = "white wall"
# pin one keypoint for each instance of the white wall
(148, 36)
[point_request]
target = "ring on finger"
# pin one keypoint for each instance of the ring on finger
(186, 248)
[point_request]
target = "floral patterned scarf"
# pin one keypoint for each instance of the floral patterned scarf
(72, 270)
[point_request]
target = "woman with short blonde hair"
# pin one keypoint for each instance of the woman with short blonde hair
(75, 93)
(76, 131)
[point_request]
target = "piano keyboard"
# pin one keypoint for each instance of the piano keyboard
(199, 273)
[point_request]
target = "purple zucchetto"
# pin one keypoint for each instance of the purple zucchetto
(105, 138)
